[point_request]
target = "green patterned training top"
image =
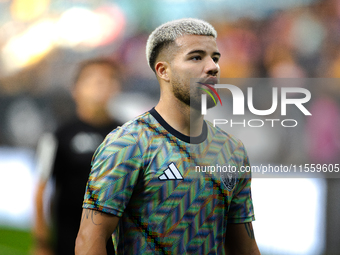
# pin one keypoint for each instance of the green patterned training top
(172, 192)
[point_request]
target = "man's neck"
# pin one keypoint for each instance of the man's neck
(94, 117)
(181, 117)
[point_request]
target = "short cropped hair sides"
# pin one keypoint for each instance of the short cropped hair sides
(167, 33)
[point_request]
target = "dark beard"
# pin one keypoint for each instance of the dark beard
(191, 96)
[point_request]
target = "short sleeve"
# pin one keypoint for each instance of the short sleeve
(241, 206)
(115, 169)
(46, 155)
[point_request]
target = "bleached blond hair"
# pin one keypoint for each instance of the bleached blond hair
(167, 33)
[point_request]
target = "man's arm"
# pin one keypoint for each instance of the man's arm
(95, 229)
(41, 230)
(240, 239)
(46, 155)
(115, 170)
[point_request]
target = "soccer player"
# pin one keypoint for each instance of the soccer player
(66, 156)
(144, 186)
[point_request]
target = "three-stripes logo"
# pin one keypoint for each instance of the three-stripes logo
(209, 93)
(171, 173)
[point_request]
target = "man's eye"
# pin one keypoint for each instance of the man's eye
(216, 59)
(196, 58)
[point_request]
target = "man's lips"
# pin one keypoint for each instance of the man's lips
(210, 81)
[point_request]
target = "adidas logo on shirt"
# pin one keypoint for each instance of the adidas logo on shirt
(171, 173)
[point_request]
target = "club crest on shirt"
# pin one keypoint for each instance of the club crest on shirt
(229, 180)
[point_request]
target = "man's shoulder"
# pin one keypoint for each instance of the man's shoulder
(68, 124)
(67, 131)
(125, 139)
(131, 131)
(69, 128)
(232, 146)
(222, 135)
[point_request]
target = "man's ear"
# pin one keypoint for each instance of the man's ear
(74, 92)
(162, 69)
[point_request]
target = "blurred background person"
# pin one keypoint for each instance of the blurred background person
(65, 157)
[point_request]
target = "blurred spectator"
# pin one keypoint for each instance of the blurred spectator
(240, 48)
(65, 157)
(323, 131)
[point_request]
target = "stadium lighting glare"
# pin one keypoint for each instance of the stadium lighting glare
(83, 27)
(29, 47)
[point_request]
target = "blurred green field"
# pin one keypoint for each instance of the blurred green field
(15, 242)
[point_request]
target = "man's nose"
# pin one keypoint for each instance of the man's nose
(212, 67)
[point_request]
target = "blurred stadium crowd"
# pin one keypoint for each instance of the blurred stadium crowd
(298, 42)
